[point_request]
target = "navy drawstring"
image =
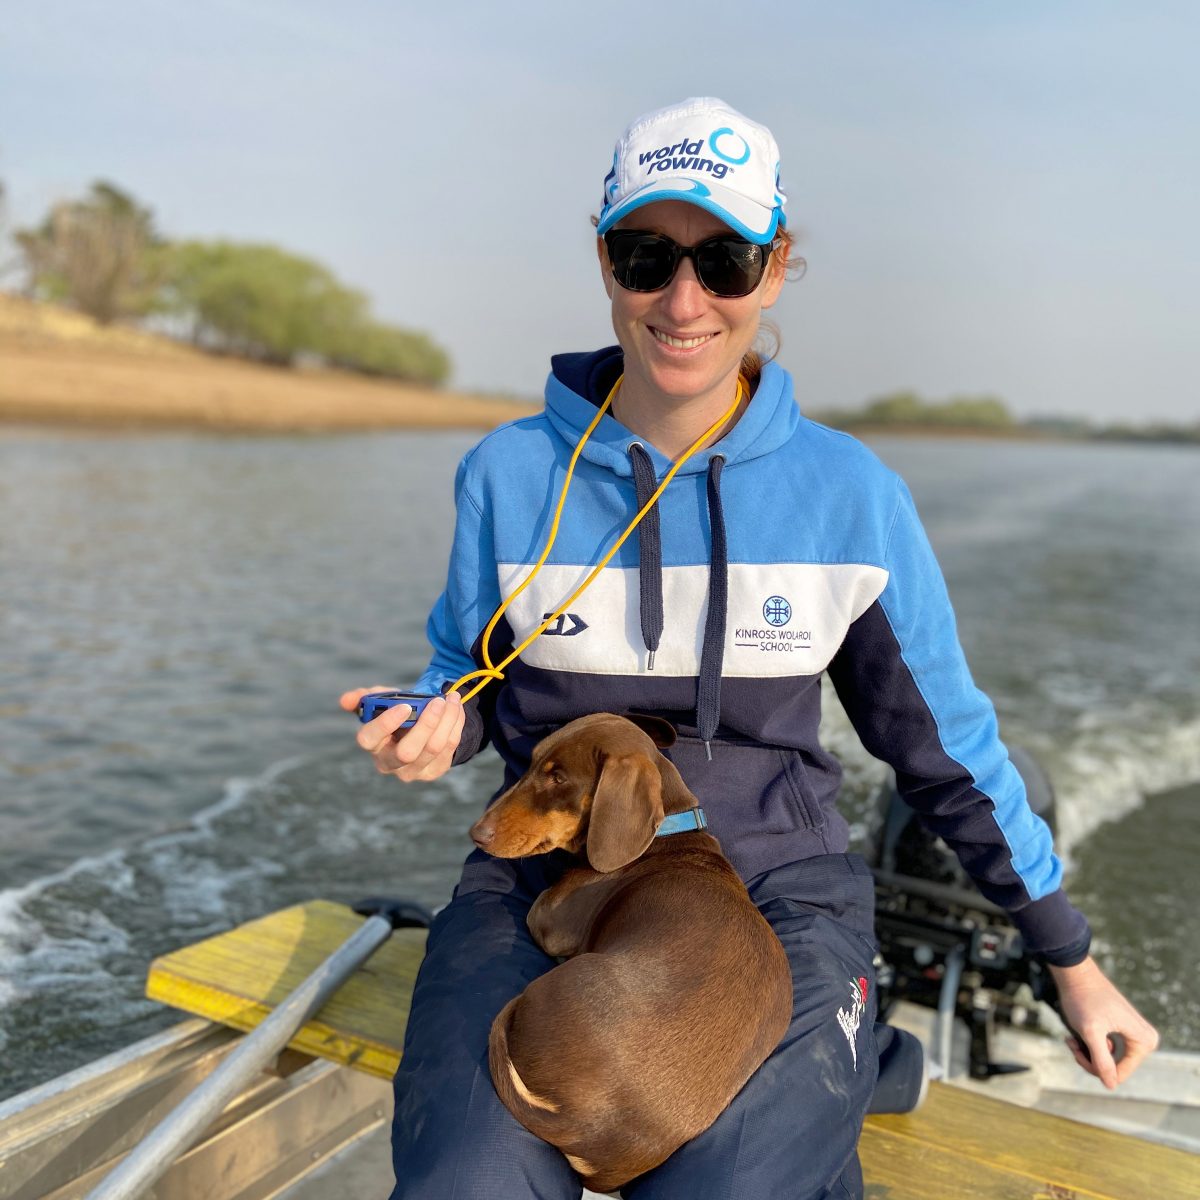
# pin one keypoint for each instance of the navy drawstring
(649, 551)
(712, 656)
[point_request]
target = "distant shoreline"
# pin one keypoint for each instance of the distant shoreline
(59, 368)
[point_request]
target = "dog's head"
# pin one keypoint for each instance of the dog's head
(595, 785)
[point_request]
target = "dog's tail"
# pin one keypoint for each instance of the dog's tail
(597, 1143)
(539, 1114)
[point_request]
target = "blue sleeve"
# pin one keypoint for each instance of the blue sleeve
(904, 681)
(462, 610)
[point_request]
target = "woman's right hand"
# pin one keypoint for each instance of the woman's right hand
(424, 751)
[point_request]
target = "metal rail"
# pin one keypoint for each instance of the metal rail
(179, 1131)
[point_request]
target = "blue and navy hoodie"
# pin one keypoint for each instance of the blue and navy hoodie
(785, 552)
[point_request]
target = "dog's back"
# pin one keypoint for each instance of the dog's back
(678, 992)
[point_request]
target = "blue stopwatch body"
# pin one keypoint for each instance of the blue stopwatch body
(370, 706)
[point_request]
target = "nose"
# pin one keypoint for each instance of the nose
(683, 299)
(484, 830)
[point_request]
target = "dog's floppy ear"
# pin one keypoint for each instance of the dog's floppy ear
(662, 733)
(627, 810)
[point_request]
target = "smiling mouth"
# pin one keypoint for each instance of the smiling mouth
(680, 343)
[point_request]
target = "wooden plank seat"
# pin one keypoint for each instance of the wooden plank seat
(959, 1146)
(238, 977)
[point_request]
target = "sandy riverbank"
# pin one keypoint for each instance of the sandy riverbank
(58, 367)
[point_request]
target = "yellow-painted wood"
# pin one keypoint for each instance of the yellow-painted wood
(238, 977)
(897, 1168)
(959, 1146)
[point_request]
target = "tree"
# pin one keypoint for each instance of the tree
(99, 254)
(898, 408)
(907, 408)
(259, 301)
(102, 255)
(377, 349)
(973, 410)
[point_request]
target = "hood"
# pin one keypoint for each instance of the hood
(578, 384)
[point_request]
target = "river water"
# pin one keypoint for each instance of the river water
(178, 614)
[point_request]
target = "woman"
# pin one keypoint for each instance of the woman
(781, 551)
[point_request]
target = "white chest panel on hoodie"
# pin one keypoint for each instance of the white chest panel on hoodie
(783, 618)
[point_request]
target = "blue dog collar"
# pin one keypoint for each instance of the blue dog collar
(684, 822)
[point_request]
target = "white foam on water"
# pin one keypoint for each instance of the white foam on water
(1109, 769)
(1106, 766)
(34, 958)
(24, 941)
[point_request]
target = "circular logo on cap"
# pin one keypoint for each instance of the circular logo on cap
(732, 140)
(777, 611)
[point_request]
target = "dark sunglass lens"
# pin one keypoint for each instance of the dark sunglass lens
(730, 266)
(641, 262)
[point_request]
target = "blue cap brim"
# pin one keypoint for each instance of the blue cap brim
(735, 210)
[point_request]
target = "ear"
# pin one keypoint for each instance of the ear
(627, 810)
(662, 733)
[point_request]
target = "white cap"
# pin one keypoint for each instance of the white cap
(705, 153)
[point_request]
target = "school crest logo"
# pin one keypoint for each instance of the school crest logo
(850, 1018)
(777, 611)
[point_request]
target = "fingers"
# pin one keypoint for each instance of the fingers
(1139, 1045)
(1082, 1059)
(380, 734)
(1093, 1008)
(1141, 1039)
(1130, 1063)
(1100, 1063)
(449, 727)
(425, 750)
(434, 755)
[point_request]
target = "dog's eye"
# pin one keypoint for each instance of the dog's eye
(559, 777)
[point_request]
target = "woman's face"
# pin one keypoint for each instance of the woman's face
(682, 341)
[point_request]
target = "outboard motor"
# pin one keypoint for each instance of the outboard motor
(941, 943)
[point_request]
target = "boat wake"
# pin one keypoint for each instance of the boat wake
(1104, 767)
(67, 930)
(75, 944)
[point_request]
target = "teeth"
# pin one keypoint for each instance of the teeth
(682, 343)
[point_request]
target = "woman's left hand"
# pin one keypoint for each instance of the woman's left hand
(1092, 1005)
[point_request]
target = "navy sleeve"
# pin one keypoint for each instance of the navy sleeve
(904, 682)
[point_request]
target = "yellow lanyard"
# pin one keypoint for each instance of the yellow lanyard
(490, 671)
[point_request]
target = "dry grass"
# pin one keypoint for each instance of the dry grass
(59, 367)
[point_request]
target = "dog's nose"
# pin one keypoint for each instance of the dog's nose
(483, 831)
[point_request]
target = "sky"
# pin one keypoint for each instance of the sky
(993, 197)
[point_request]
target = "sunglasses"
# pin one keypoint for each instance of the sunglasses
(726, 265)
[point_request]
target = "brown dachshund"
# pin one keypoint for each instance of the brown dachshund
(676, 988)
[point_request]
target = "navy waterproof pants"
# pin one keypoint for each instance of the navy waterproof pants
(791, 1132)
